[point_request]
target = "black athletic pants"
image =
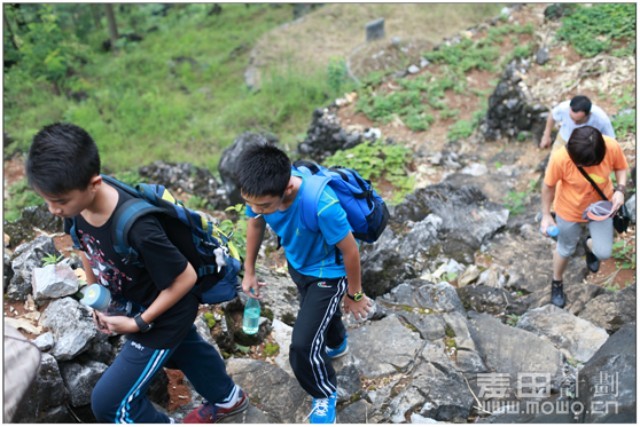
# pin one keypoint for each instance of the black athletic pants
(318, 325)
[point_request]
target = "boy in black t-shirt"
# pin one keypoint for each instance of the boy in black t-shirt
(64, 168)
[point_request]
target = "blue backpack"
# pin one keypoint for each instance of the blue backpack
(366, 211)
(213, 256)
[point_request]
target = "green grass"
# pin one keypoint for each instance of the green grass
(145, 104)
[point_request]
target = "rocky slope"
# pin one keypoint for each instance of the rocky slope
(463, 330)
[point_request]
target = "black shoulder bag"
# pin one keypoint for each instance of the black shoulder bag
(621, 218)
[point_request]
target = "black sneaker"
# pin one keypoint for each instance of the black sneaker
(557, 294)
(593, 263)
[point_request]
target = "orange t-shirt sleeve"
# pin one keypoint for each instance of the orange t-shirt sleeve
(619, 161)
(554, 171)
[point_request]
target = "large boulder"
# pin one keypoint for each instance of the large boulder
(513, 351)
(26, 258)
(72, 326)
(325, 136)
(511, 109)
(382, 357)
(607, 383)
(186, 178)
(576, 338)
(45, 400)
(468, 218)
(612, 310)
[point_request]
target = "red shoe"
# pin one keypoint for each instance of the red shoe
(208, 413)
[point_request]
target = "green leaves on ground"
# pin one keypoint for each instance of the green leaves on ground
(601, 27)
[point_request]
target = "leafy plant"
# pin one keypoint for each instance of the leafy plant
(238, 229)
(515, 202)
(197, 202)
(602, 27)
(377, 161)
(20, 196)
(512, 319)
(51, 259)
(271, 349)
(337, 75)
(460, 130)
(210, 319)
(625, 124)
(624, 254)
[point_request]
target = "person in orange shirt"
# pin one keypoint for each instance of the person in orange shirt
(571, 194)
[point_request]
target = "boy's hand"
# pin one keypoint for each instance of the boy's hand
(251, 286)
(102, 327)
(360, 309)
(117, 324)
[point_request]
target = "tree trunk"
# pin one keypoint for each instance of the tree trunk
(113, 27)
(11, 36)
(95, 14)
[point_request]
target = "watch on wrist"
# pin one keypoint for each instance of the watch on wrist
(356, 297)
(621, 188)
(142, 325)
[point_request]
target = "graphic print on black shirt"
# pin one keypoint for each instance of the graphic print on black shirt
(162, 261)
(103, 268)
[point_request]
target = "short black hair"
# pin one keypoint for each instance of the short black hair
(263, 170)
(586, 146)
(62, 158)
(580, 103)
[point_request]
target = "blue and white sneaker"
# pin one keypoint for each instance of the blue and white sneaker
(341, 350)
(323, 411)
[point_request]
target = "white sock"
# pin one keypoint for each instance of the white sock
(232, 399)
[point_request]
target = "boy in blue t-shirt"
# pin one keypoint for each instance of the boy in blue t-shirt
(63, 167)
(272, 193)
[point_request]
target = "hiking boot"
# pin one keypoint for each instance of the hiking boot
(341, 350)
(557, 294)
(323, 411)
(212, 413)
(593, 263)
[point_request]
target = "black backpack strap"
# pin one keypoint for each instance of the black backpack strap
(123, 219)
(593, 184)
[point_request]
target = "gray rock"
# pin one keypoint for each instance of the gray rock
(576, 338)
(437, 391)
(485, 299)
(631, 207)
(511, 109)
(47, 392)
(612, 310)
(467, 358)
(80, 379)
(229, 161)
(375, 30)
(607, 383)
(72, 326)
(44, 342)
(383, 266)
(469, 219)
(26, 258)
(185, 177)
(542, 55)
(358, 412)
(440, 297)
(274, 390)
(325, 136)
(381, 357)
(513, 351)
(421, 237)
(53, 281)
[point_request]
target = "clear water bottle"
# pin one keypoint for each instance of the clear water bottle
(251, 318)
